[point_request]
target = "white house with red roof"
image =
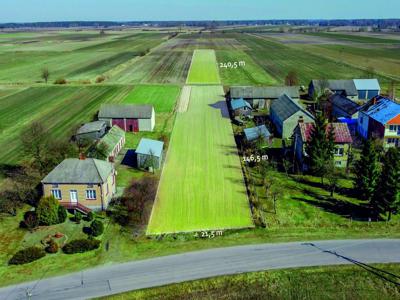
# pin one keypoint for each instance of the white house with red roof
(343, 143)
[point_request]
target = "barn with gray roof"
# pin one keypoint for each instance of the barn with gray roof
(286, 113)
(131, 118)
(261, 96)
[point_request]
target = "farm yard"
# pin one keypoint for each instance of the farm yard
(201, 185)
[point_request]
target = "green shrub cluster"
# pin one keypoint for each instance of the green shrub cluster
(27, 255)
(81, 245)
(52, 247)
(96, 228)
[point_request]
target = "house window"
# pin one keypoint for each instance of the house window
(339, 151)
(392, 127)
(338, 163)
(56, 194)
(91, 194)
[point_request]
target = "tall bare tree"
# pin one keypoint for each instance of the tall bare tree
(45, 74)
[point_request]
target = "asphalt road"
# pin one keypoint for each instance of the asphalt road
(153, 272)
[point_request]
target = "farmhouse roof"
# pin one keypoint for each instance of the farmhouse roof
(126, 111)
(265, 92)
(285, 107)
(255, 132)
(341, 130)
(337, 85)
(112, 138)
(91, 127)
(80, 171)
(367, 84)
(345, 104)
(240, 103)
(381, 109)
(148, 146)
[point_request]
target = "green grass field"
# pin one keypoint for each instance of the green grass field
(336, 282)
(202, 185)
(203, 69)
(250, 74)
(163, 97)
(61, 109)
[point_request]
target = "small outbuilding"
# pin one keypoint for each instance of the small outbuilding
(367, 88)
(91, 131)
(149, 154)
(130, 118)
(112, 143)
(241, 107)
(254, 133)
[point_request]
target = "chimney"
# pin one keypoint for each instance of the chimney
(301, 119)
(82, 156)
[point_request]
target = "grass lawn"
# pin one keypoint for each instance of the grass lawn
(336, 282)
(203, 69)
(163, 97)
(202, 184)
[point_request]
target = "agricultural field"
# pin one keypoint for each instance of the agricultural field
(250, 74)
(89, 56)
(203, 69)
(60, 109)
(202, 184)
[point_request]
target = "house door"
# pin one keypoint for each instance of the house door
(136, 125)
(73, 196)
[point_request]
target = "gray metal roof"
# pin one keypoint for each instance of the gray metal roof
(264, 92)
(367, 84)
(91, 127)
(337, 85)
(73, 170)
(284, 107)
(148, 146)
(344, 104)
(126, 111)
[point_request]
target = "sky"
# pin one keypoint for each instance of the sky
(166, 10)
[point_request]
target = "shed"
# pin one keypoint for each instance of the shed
(240, 107)
(285, 113)
(367, 88)
(112, 143)
(149, 153)
(91, 131)
(129, 117)
(252, 134)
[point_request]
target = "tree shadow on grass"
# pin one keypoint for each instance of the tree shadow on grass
(347, 192)
(360, 212)
(221, 105)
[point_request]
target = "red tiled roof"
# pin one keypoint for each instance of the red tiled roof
(342, 133)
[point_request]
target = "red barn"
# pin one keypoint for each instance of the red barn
(131, 118)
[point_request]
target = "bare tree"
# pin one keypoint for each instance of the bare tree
(292, 78)
(45, 74)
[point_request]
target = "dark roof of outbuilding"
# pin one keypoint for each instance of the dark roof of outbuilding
(126, 111)
(285, 107)
(344, 104)
(91, 127)
(337, 85)
(264, 92)
(78, 171)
